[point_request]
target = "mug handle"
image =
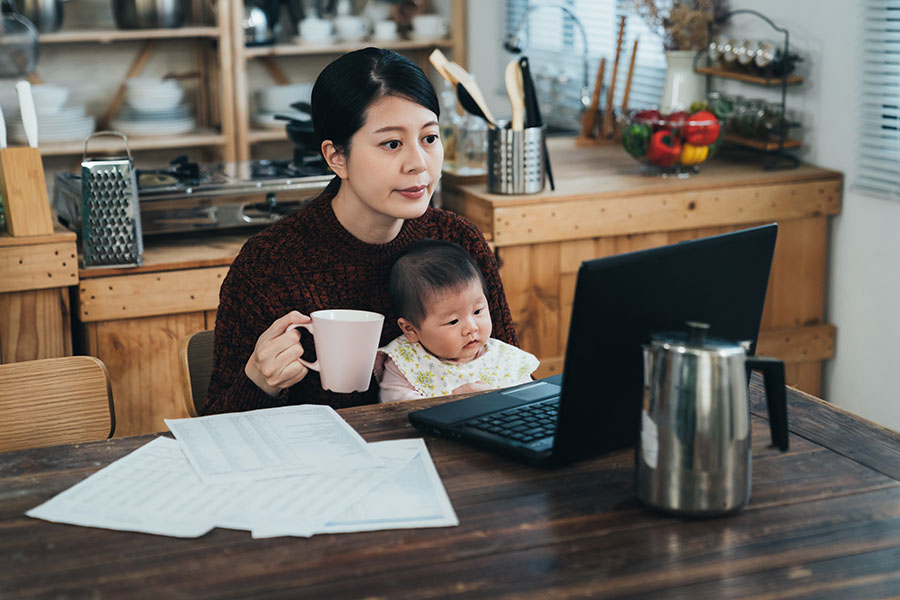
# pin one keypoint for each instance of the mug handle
(309, 327)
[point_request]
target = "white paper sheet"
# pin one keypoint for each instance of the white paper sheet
(413, 497)
(152, 490)
(270, 443)
(156, 490)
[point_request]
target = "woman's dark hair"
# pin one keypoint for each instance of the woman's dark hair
(427, 267)
(346, 88)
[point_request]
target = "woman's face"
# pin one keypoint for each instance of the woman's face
(394, 161)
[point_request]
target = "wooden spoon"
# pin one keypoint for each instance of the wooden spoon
(469, 94)
(514, 89)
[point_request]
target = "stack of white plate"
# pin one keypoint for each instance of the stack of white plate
(274, 100)
(56, 121)
(153, 107)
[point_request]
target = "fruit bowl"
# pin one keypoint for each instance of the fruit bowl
(673, 144)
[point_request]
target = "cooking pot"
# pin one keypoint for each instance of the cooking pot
(46, 15)
(693, 457)
(148, 14)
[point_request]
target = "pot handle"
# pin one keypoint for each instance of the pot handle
(776, 396)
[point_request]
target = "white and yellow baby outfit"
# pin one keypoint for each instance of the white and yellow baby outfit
(410, 371)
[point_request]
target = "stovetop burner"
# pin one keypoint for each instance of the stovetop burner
(302, 166)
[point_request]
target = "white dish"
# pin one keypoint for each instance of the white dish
(155, 127)
(129, 113)
(75, 129)
(316, 42)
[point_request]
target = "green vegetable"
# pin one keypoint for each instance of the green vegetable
(636, 138)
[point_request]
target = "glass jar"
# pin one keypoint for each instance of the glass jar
(472, 149)
(769, 122)
(451, 125)
(745, 116)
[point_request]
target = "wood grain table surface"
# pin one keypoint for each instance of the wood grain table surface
(824, 522)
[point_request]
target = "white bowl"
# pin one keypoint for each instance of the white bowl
(154, 100)
(49, 98)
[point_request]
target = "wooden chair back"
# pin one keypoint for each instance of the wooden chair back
(55, 401)
(196, 357)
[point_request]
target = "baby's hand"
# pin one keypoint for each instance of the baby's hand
(468, 388)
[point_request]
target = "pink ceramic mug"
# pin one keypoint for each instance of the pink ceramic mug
(346, 342)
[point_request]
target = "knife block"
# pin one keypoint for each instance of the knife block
(24, 192)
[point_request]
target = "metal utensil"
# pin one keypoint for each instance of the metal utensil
(29, 115)
(18, 42)
(110, 218)
(2, 130)
(148, 14)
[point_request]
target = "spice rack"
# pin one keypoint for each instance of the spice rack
(781, 159)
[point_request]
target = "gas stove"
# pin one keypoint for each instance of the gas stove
(210, 196)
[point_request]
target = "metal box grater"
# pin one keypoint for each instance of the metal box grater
(110, 219)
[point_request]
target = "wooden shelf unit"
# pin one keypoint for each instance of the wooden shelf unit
(215, 97)
(747, 77)
(105, 36)
(194, 139)
(246, 134)
(769, 146)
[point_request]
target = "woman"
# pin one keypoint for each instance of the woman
(376, 116)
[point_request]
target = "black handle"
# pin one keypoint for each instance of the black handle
(776, 396)
(533, 112)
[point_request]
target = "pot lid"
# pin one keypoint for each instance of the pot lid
(696, 336)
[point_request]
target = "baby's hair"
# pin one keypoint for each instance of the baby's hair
(427, 267)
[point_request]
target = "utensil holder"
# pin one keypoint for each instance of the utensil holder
(515, 161)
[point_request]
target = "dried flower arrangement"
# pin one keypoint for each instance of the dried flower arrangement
(682, 24)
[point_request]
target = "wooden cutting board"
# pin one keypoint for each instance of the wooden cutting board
(24, 191)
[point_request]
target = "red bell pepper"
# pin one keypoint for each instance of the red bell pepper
(702, 129)
(664, 149)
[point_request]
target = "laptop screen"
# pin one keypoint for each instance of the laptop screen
(621, 300)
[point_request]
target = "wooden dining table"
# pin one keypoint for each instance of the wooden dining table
(823, 522)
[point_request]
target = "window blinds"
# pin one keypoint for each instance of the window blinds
(555, 48)
(878, 170)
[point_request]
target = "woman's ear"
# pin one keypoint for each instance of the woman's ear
(335, 158)
(409, 330)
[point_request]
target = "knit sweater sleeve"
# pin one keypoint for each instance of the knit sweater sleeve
(240, 319)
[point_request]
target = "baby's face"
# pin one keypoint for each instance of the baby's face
(458, 324)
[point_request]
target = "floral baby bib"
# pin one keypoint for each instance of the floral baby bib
(500, 365)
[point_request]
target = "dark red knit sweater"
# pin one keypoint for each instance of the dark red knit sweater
(308, 262)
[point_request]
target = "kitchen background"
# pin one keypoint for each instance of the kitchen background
(863, 284)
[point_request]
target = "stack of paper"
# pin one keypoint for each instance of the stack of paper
(295, 470)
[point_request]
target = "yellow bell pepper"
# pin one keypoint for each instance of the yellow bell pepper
(692, 155)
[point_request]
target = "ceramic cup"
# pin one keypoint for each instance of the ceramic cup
(429, 26)
(351, 28)
(346, 342)
(385, 31)
(313, 29)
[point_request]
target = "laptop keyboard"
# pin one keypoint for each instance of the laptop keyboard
(523, 423)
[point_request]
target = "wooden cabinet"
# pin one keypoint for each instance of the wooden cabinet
(36, 273)
(134, 319)
(603, 206)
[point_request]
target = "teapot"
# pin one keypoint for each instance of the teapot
(693, 456)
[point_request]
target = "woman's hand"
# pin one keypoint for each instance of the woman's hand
(468, 388)
(273, 366)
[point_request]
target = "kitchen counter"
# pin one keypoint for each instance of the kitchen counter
(36, 273)
(134, 318)
(603, 205)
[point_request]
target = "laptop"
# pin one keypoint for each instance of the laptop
(593, 406)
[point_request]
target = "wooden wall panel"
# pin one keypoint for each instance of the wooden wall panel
(35, 324)
(142, 358)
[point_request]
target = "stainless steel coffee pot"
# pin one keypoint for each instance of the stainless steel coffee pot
(693, 457)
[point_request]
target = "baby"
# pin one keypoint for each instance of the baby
(438, 293)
